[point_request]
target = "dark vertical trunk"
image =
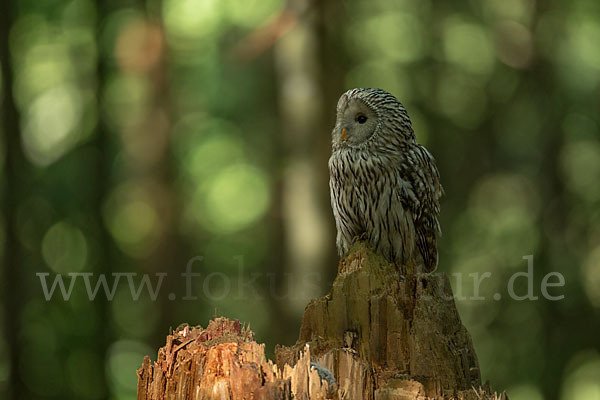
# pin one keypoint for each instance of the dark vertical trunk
(333, 61)
(169, 255)
(158, 175)
(14, 170)
(102, 178)
(551, 187)
(309, 86)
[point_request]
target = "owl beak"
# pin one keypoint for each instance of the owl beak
(344, 132)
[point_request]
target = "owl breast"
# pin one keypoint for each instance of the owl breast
(366, 194)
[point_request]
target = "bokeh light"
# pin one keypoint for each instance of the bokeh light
(64, 248)
(581, 169)
(469, 46)
(373, 36)
(51, 126)
(581, 382)
(132, 220)
(233, 199)
(188, 20)
(580, 63)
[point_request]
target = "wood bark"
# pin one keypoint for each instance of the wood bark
(378, 334)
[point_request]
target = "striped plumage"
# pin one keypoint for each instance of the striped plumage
(385, 187)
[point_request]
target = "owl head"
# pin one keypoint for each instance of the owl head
(371, 118)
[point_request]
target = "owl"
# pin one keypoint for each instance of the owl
(385, 187)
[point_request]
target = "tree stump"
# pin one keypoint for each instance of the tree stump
(379, 334)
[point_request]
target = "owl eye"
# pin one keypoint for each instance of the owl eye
(361, 119)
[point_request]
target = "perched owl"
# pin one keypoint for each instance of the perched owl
(385, 187)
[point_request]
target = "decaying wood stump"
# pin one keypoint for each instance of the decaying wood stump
(378, 334)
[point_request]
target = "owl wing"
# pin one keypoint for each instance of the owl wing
(420, 172)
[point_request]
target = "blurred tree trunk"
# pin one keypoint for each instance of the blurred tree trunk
(147, 148)
(554, 222)
(334, 62)
(307, 90)
(107, 255)
(15, 171)
(139, 49)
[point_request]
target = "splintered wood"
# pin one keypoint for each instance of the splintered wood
(377, 335)
(224, 362)
(220, 362)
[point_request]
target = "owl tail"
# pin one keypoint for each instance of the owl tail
(426, 243)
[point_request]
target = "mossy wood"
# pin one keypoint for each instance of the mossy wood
(381, 333)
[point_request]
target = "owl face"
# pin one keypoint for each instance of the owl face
(371, 119)
(356, 122)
